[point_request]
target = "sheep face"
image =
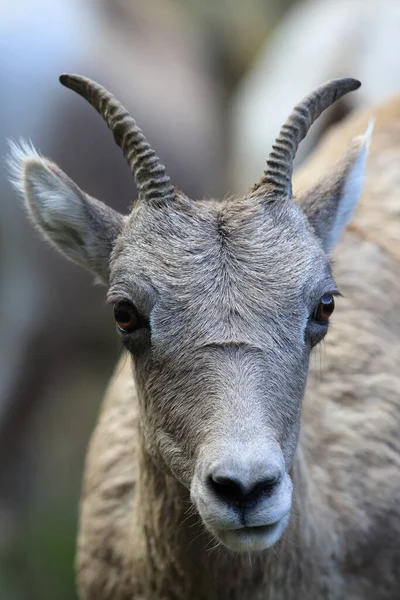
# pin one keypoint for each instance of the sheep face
(225, 300)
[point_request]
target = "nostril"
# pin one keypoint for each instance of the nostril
(264, 487)
(232, 491)
(227, 488)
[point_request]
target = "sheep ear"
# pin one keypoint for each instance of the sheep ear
(330, 203)
(82, 228)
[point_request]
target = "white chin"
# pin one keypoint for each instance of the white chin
(252, 539)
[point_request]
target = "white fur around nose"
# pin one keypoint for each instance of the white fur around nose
(248, 466)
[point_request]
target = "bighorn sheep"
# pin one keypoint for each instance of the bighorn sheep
(200, 482)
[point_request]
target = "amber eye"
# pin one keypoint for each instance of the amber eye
(126, 317)
(325, 308)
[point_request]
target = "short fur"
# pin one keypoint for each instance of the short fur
(228, 287)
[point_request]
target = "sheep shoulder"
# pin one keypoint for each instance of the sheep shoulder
(351, 413)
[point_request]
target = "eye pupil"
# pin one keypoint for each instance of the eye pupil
(123, 316)
(126, 317)
(325, 308)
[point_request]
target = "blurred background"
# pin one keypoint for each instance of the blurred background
(210, 82)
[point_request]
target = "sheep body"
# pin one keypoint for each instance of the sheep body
(138, 538)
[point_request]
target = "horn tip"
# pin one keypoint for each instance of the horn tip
(74, 82)
(64, 78)
(351, 83)
(355, 82)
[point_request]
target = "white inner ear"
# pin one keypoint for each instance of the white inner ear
(50, 200)
(352, 187)
(82, 228)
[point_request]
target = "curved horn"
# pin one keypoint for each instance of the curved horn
(149, 173)
(278, 174)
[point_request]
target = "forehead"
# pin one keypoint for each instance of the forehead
(243, 252)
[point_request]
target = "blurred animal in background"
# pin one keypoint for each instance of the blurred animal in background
(50, 316)
(315, 41)
(219, 305)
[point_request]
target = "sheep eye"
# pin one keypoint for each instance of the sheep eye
(126, 317)
(325, 308)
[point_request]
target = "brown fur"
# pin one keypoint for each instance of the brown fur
(138, 537)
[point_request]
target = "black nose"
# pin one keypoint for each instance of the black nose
(231, 490)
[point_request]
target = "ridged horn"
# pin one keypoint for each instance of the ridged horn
(277, 176)
(149, 173)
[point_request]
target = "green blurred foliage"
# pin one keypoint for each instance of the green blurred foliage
(45, 568)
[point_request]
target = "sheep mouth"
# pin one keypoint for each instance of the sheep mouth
(257, 530)
(253, 539)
